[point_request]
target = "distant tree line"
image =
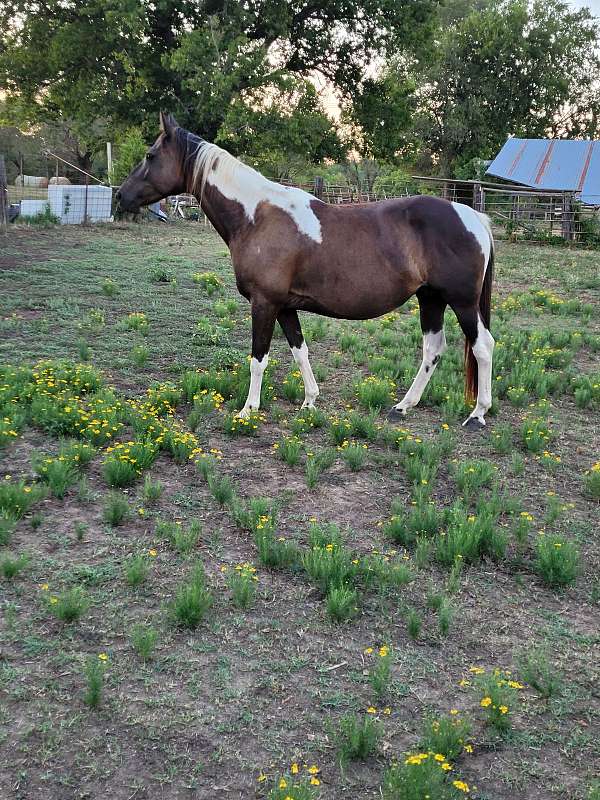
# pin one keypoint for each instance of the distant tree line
(423, 85)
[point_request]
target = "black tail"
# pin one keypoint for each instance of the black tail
(485, 309)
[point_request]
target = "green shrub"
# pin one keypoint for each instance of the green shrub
(342, 602)
(144, 638)
(116, 509)
(557, 560)
(446, 735)
(70, 605)
(357, 737)
(192, 600)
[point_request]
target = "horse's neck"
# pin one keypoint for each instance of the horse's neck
(242, 189)
(226, 216)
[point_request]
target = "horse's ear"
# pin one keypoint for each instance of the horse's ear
(167, 123)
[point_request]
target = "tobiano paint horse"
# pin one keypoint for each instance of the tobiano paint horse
(291, 252)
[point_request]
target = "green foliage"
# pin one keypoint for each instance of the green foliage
(192, 600)
(446, 735)
(539, 673)
(144, 638)
(136, 570)
(94, 675)
(116, 509)
(70, 605)
(10, 566)
(242, 584)
(557, 560)
(130, 150)
(342, 603)
(358, 737)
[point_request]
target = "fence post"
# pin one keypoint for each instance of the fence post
(3, 195)
(85, 203)
(568, 211)
(319, 187)
(477, 197)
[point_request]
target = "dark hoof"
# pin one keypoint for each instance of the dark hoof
(394, 415)
(473, 424)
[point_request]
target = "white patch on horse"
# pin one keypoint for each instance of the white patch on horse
(236, 181)
(434, 346)
(311, 390)
(483, 349)
(257, 369)
(479, 225)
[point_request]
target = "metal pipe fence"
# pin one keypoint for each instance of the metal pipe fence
(517, 213)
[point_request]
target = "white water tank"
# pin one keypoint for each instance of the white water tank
(68, 203)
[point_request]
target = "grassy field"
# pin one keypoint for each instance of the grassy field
(311, 605)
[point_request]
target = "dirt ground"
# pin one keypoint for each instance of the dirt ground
(222, 711)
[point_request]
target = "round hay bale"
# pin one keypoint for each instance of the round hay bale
(60, 181)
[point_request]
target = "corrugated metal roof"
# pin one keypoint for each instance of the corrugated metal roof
(563, 164)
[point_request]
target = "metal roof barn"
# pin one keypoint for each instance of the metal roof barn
(554, 164)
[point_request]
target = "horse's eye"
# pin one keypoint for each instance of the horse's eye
(149, 156)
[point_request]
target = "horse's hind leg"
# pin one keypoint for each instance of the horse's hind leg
(290, 324)
(482, 343)
(431, 307)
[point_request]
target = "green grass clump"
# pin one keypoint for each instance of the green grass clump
(183, 538)
(380, 675)
(242, 584)
(17, 497)
(70, 605)
(472, 475)
(289, 449)
(557, 560)
(152, 490)
(498, 693)
(10, 566)
(422, 775)
(591, 480)
(292, 387)
(139, 355)
(144, 639)
(7, 526)
(358, 737)
(329, 566)
(414, 623)
(109, 287)
(136, 570)
(317, 464)
(536, 435)
(58, 473)
(539, 673)
(375, 393)
(354, 454)
(209, 282)
(447, 735)
(341, 603)
(116, 509)
(192, 600)
(404, 526)
(94, 670)
(221, 488)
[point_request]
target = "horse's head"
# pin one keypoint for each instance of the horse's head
(159, 175)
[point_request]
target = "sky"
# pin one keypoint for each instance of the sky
(593, 5)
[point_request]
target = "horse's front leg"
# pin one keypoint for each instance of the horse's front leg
(263, 322)
(290, 324)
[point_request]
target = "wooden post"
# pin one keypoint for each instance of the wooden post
(3, 195)
(568, 210)
(319, 187)
(85, 206)
(477, 197)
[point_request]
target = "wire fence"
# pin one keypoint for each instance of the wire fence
(517, 213)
